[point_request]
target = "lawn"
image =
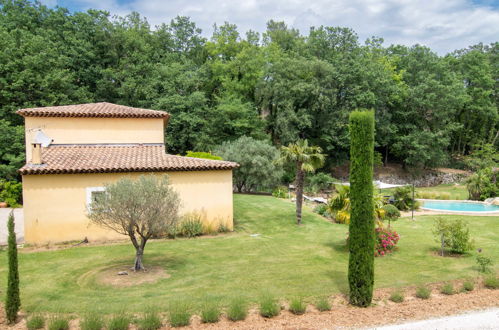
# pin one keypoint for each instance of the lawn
(283, 259)
(456, 191)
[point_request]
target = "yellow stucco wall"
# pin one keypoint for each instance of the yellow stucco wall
(55, 205)
(95, 130)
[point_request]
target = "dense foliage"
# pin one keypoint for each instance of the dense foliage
(361, 229)
(279, 85)
(12, 300)
(483, 184)
(257, 163)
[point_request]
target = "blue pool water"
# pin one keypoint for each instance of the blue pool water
(459, 206)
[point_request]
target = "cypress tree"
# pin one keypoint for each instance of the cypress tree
(361, 229)
(13, 301)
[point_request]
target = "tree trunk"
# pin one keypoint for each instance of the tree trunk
(386, 155)
(138, 260)
(299, 192)
(139, 251)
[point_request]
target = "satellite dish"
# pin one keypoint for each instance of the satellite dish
(43, 139)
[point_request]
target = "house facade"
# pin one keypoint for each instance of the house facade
(73, 151)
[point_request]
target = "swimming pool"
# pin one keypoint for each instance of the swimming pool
(457, 206)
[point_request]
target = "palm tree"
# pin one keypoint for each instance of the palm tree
(306, 159)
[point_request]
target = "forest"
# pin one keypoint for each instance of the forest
(280, 85)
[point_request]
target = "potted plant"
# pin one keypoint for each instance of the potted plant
(3, 204)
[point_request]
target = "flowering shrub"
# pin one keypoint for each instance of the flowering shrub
(386, 240)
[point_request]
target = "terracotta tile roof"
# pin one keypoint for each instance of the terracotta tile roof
(117, 158)
(102, 110)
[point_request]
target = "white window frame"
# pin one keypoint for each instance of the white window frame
(91, 190)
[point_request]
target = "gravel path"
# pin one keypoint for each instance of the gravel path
(486, 319)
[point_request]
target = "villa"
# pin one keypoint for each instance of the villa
(73, 151)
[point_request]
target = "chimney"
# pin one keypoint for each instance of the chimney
(36, 153)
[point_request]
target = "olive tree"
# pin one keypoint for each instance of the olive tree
(257, 163)
(139, 209)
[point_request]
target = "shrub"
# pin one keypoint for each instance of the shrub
(280, 192)
(447, 289)
(423, 292)
(257, 163)
(200, 154)
(444, 195)
(386, 241)
(223, 228)
(58, 323)
(403, 198)
(191, 225)
(92, 322)
(210, 313)
(491, 282)
(323, 304)
(11, 192)
(35, 322)
(238, 310)
(391, 212)
(297, 306)
(322, 210)
(361, 229)
(150, 321)
(179, 315)
(119, 322)
(484, 263)
(397, 296)
(318, 182)
(453, 234)
(269, 307)
(468, 286)
(12, 301)
(483, 184)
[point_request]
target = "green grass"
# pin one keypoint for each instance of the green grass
(323, 304)
(210, 313)
(58, 322)
(397, 296)
(423, 292)
(149, 321)
(284, 260)
(269, 306)
(92, 321)
(297, 306)
(238, 310)
(455, 191)
(447, 289)
(179, 314)
(491, 282)
(35, 322)
(468, 286)
(120, 321)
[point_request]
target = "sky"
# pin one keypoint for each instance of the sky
(443, 25)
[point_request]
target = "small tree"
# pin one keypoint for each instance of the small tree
(361, 229)
(305, 159)
(257, 163)
(391, 213)
(139, 209)
(12, 301)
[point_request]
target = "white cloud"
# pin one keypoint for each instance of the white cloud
(442, 25)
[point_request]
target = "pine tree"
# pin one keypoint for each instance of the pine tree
(361, 237)
(13, 301)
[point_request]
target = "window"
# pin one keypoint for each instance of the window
(93, 194)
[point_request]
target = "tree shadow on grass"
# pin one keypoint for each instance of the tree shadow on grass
(340, 279)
